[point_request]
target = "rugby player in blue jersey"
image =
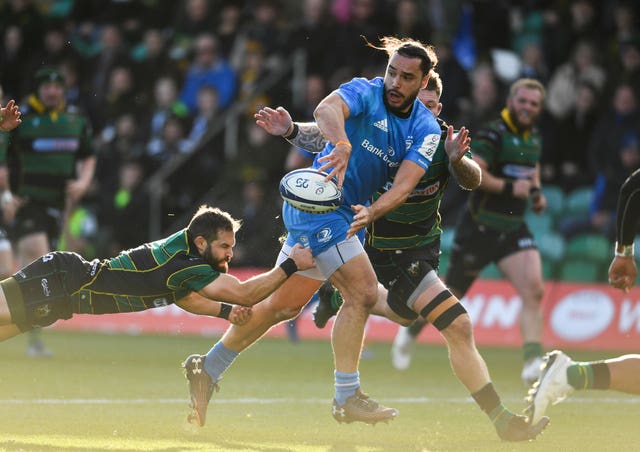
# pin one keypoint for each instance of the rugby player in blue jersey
(375, 128)
(404, 248)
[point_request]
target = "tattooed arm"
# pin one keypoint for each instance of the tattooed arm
(278, 122)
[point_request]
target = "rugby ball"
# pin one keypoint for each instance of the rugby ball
(306, 190)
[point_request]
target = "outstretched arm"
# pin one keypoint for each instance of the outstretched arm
(278, 122)
(230, 289)
(199, 305)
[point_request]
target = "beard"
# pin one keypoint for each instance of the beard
(404, 106)
(221, 265)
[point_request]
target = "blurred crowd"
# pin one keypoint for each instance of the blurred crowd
(157, 78)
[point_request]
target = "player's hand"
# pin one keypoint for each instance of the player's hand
(456, 146)
(538, 203)
(302, 257)
(10, 116)
(10, 205)
(239, 314)
(337, 161)
(623, 273)
(275, 122)
(521, 188)
(76, 190)
(363, 216)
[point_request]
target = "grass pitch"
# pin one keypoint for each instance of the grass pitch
(127, 393)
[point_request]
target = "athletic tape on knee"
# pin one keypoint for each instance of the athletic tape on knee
(429, 279)
(443, 310)
(449, 316)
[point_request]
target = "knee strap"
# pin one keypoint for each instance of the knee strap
(443, 310)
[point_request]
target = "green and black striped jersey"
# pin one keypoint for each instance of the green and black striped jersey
(511, 155)
(152, 275)
(42, 152)
(416, 222)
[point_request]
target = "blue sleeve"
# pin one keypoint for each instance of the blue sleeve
(355, 94)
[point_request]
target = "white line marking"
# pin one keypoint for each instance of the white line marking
(272, 401)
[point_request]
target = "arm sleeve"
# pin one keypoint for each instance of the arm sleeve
(628, 209)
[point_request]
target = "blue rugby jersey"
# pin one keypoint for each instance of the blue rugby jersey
(381, 141)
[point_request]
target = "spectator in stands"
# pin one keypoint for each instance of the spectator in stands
(613, 153)
(13, 62)
(165, 103)
(264, 25)
(206, 115)
(112, 53)
(151, 61)
(193, 18)
(565, 161)
(208, 68)
(55, 50)
(583, 66)
(458, 81)
(174, 132)
(25, 15)
(315, 34)
(409, 21)
(230, 21)
(119, 98)
(128, 209)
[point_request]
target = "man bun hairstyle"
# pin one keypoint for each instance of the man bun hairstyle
(409, 48)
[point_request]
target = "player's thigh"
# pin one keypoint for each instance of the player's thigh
(523, 269)
(32, 246)
(356, 280)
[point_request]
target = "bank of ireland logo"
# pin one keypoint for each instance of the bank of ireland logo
(324, 235)
(304, 240)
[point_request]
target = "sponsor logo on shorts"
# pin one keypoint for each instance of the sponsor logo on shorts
(94, 268)
(44, 282)
(42, 311)
(47, 257)
(158, 302)
(526, 242)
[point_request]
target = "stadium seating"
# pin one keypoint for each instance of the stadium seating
(581, 270)
(555, 199)
(593, 247)
(578, 201)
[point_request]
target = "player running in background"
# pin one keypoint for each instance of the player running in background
(375, 127)
(51, 161)
(560, 375)
(492, 227)
(404, 248)
(188, 268)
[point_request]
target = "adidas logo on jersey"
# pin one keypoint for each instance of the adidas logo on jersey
(382, 125)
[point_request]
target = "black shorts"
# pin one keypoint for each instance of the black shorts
(401, 271)
(32, 218)
(475, 246)
(38, 295)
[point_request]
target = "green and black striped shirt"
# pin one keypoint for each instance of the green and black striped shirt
(511, 155)
(152, 275)
(416, 222)
(42, 152)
